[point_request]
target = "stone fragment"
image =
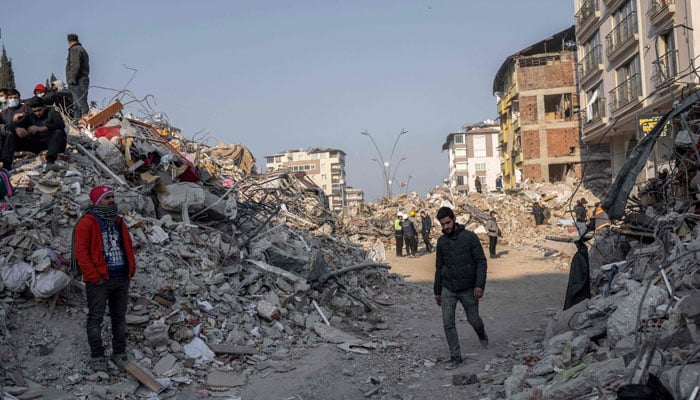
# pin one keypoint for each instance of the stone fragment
(267, 311)
(164, 364)
(623, 321)
(224, 379)
(459, 380)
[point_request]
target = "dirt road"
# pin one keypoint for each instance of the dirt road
(523, 291)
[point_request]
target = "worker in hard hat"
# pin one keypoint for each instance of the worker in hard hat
(409, 235)
(398, 234)
(412, 217)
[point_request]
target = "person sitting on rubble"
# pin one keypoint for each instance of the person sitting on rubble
(41, 129)
(11, 114)
(3, 99)
(59, 97)
(103, 251)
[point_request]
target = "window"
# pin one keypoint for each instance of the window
(628, 86)
(460, 180)
(480, 166)
(323, 176)
(459, 139)
(590, 54)
(479, 142)
(595, 104)
(666, 64)
(557, 106)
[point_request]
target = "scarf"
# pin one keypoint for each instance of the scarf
(107, 213)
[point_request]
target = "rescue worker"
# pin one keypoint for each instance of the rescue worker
(398, 235)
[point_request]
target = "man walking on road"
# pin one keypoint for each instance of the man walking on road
(460, 276)
(426, 225)
(103, 250)
(494, 233)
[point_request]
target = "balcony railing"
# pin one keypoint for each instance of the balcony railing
(591, 61)
(595, 113)
(657, 8)
(586, 13)
(621, 33)
(625, 92)
(665, 68)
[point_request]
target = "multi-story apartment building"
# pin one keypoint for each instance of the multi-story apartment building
(354, 197)
(636, 57)
(537, 107)
(326, 167)
(473, 154)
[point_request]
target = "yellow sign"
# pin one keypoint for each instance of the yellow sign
(648, 122)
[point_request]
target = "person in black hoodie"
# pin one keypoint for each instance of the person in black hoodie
(41, 129)
(460, 276)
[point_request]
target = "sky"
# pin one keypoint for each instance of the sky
(279, 75)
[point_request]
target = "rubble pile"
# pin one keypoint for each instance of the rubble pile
(637, 337)
(233, 270)
(374, 221)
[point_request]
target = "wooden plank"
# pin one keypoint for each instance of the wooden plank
(223, 348)
(103, 115)
(144, 376)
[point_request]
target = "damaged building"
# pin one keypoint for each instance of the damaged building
(637, 58)
(538, 110)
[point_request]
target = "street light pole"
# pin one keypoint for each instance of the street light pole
(385, 165)
(396, 168)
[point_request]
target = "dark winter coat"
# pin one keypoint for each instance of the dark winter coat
(51, 119)
(77, 65)
(408, 228)
(426, 223)
(460, 263)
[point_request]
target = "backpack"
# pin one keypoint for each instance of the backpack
(6, 188)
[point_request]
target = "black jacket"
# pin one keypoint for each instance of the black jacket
(77, 65)
(426, 223)
(460, 263)
(408, 228)
(51, 119)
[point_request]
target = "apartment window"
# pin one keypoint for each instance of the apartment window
(595, 104)
(628, 86)
(460, 180)
(591, 55)
(665, 67)
(459, 139)
(624, 26)
(480, 166)
(323, 176)
(557, 106)
(324, 187)
(479, 142)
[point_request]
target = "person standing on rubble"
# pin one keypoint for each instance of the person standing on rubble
(477, 184)
(409, 235)
(78, 75)
(499, 184)
(398, 235)
(460, 276)
(581, 215)
(103, 251)
(426, 225)
(538, 213)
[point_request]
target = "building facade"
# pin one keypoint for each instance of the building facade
(326, 167)
(354, 197)
(473, 154)
(636, 59)
(538, 109)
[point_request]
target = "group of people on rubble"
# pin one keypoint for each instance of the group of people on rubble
(35, 124)
(406, 233)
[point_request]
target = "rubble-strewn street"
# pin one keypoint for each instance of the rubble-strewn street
(244, 280)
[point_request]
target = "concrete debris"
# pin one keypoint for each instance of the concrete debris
(224, 261)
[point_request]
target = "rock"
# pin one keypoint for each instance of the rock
(605, 371)
(267, 311)
(623, 321)
(459, 380)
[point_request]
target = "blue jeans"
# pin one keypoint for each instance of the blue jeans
(114, 292)
(80, 95)
(471, 307)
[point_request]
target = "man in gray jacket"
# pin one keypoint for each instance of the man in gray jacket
(494, 233)
(460, 276)
(78, 75)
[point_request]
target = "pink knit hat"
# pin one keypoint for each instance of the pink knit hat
(99, 192)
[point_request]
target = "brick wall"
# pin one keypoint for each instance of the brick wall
(531, 144)
(528, 110)
(558, 74)
(532, 172)
(560, 141)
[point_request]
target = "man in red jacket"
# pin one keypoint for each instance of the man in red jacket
(103, 250)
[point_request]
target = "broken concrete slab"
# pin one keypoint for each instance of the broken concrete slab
(218, 379)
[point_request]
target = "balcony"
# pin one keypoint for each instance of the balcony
(516, 124)
(625, 93)
(612, 4)
(586, 16)
(661, 10)
(590, 63)
(622, 36)
(665, 68)
(595, 113)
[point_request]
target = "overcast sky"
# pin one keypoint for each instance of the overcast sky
(276, 75)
